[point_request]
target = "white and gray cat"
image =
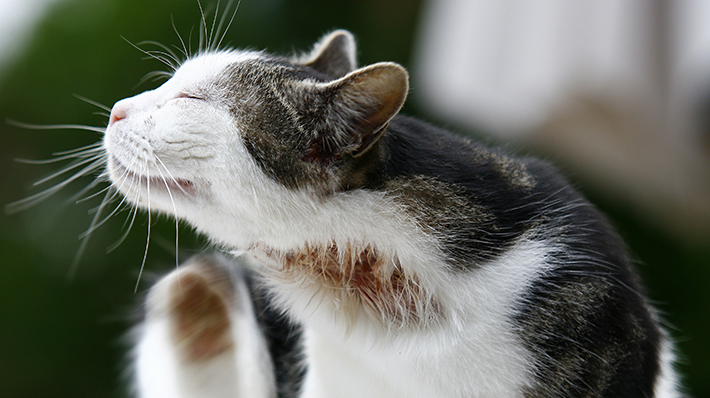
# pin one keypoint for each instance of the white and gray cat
(378, 256)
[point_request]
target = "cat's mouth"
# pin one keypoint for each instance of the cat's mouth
(129, 179)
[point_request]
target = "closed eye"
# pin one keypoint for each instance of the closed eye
(191, 96)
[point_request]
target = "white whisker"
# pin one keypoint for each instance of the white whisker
(104, 114)
(101, 178)
(95, 225)
(212, 27)
(147, 241)
(166, 57)
(113, 192)
(150, 55)
(126, 225)
(116, 244)
(85, 160)
(203, 28)
(67, 169)
(154, 76)
(81, 155)
(92, 102)
(169, 175)
(184, 49)
(56, 126)
(97, 146)
(224, 33)
(172, 201)
(84, 241)
(189, 41)
(134, 182)
(32, 200)
(167, 51)
(93, 195)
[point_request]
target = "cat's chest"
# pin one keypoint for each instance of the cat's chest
(404, 367)
(472, 334)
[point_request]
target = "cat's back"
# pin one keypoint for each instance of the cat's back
(583, 316)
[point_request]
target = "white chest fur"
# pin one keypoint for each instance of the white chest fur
(471, 353)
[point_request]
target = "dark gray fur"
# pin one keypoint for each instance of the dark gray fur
(322, 126)
(587, 324)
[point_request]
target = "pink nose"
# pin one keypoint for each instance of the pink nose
(118, 112)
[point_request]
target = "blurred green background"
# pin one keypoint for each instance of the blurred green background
(64, 337)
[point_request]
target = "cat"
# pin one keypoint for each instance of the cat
(369, 254)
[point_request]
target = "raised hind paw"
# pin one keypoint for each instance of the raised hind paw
(200, 337)
(199, 300)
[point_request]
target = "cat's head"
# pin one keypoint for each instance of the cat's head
(233, 135)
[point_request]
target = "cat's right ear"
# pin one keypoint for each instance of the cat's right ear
(333, 55)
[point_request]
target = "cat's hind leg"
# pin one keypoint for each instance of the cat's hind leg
(200, 336)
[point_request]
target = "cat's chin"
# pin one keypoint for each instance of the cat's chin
(125, 179)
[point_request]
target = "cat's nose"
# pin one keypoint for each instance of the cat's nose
(118, 112)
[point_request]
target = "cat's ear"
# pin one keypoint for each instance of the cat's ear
(362, 103)
(333, 55)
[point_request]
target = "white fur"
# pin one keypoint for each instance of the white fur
(472, 353)
(470, 350)
(667, 384)
(164, 136)
(162, 371)
(156, 373)
(239, 207)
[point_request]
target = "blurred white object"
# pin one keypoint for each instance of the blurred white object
(17, 19)
(611, 87)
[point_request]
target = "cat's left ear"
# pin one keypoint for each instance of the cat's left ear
(361, 105)
(333, 55)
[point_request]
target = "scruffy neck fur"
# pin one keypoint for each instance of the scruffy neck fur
(408, 261)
